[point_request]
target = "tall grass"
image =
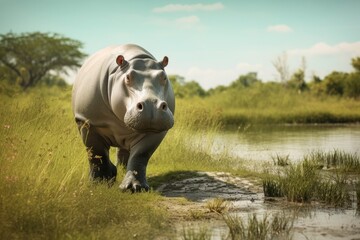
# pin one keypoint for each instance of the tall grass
(44, 187)
(272, 103)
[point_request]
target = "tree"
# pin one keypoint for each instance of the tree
(245, 80)
(177, 83)
(297, 81)
(193, 88)
(352, 85)
(32, 56)
(355, 62)
(184, 89)
(316, 79)
(282, 67)
(335, 83)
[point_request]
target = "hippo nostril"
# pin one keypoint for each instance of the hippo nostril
(140, 106)
(163, 106)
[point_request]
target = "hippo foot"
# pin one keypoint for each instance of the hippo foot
(107, 175)
(132, 183)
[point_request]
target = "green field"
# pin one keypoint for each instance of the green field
(44, 187)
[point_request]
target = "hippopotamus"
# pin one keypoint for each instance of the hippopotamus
(123, 98)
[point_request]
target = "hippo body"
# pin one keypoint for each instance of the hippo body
(122, 98)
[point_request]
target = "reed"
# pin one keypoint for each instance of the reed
(336, 159)
(281, 161)
(334, 191)
(278, 226)
(304, 182)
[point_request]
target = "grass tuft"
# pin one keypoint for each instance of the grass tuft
(191, 233)
(272, 187)
(334, 191)
(303, 182)
(277, 227)
(349, 162)
(281, 161)
(217, 205)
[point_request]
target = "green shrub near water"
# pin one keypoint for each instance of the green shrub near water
(303, 182)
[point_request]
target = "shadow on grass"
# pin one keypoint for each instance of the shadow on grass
(200, 186)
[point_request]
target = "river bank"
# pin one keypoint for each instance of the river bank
(189, 200)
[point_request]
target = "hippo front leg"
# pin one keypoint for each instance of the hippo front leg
(101, 168)
(122, 157)
(135, 178)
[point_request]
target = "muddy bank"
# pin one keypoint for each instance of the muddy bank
(186, 201)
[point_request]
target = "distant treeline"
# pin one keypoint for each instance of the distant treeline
(334, 84)
(38, 59)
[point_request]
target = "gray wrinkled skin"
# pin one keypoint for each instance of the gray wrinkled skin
(122, 98)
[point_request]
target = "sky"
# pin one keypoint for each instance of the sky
(211, 42)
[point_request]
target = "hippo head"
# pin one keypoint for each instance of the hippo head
(144, 98)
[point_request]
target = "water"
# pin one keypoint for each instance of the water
(265, 142)
(261, 143)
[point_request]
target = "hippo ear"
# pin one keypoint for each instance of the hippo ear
(120, 60)
(165, 61)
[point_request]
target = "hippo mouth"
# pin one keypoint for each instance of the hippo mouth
(150, 115)
(138, 123)
(140, 129)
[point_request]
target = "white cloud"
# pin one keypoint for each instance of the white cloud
(189, 7)
(322, 48)
(209, 77)
(188, 20)
(279, 28)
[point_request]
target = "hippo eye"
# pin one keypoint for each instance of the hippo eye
(128, 79)
(163, 80)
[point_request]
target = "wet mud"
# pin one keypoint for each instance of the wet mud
(187, 198)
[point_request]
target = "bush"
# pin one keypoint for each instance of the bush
(352, 85)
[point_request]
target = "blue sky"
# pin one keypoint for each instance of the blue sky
(212, 42)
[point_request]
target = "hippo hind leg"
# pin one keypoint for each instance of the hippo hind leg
(101, 168)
